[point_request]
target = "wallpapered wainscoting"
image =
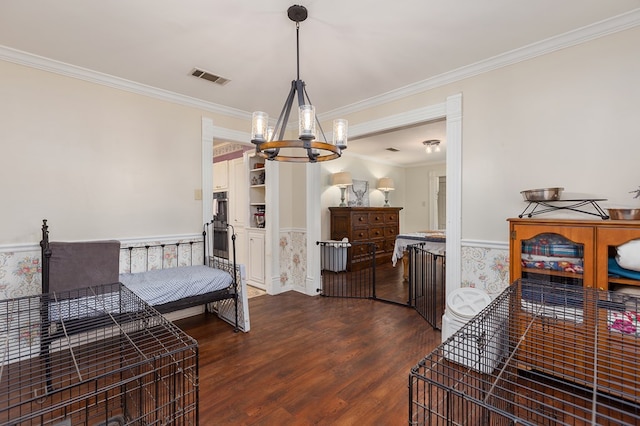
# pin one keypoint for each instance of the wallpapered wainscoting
(21, 275)
(20, 271)
(293, 260)
(485, 266)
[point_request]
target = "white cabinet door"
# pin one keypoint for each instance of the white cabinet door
(220, 175)
(255, 273)
(238, 198)
(241, 246)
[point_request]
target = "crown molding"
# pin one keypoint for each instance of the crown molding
(34, 61)
(572, 38)
(581, 35)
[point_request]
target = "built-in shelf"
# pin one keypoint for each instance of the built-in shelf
(257, 191)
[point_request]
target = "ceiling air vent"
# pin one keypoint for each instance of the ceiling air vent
(209, 77)
(393, 149)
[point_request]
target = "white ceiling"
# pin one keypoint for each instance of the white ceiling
(352, 51)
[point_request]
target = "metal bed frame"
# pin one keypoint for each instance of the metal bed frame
(231, 293)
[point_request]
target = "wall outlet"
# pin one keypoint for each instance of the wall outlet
(197, 194)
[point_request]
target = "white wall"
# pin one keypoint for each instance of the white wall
(99, 162)
(567, 118)
(418, 204)
(95, 161)
(361, 170)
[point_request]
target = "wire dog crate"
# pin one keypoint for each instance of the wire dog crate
(539, 354)
(95, 356)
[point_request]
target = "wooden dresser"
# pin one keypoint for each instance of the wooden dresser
(378, 225)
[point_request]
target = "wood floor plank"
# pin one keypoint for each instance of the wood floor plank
(310, 360)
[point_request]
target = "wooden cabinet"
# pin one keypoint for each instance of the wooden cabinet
(597, 238)
(377, 225)
(533, 240)
(571, 331)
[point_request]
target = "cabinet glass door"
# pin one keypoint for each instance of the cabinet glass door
(562, 255)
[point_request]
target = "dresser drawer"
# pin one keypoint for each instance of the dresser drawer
(391, 218)
(390, 231)
(360, 220)
(376, 232)
(360, 234)
(389, 245)
(376, 219)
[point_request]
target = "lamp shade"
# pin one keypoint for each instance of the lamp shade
(385, 184)
(341, 179)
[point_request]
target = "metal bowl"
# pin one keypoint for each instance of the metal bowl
(542, 194)
(624, 214)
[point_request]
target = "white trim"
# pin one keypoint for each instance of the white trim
(493, 245)
(272, 229)
(19, 248)
(454, 192)
(27, 247)
(231, 135)
(163, 238)
(402, 119)
(313, 278)
(291, 230)
(208, 130)
(24, 58)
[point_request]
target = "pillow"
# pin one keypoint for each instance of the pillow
(83, 264)
(629, 255)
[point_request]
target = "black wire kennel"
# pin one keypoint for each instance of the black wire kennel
(94, 356)
(539, 354)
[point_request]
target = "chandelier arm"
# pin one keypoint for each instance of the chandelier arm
(300, 87)
(283, 118)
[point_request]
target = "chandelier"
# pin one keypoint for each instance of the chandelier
(269, 140)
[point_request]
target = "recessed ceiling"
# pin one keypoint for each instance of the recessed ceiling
(351, 51)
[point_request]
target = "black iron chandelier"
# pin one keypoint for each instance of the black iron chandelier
(269, 140)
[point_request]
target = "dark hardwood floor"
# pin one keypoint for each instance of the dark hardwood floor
(310, 360)
(389, 283)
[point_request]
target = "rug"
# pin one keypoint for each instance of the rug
(254, 291)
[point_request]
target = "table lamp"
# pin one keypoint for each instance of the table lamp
(342, 180)
(385, 185)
